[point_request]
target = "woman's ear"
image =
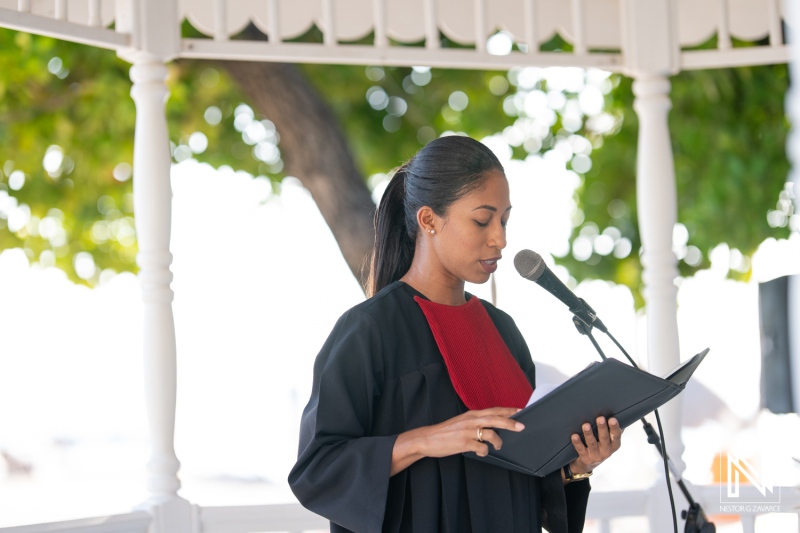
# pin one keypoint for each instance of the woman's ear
(426, 219)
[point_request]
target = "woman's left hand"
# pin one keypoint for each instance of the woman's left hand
(596, 450)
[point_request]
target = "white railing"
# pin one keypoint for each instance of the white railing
(135, 522)
(603, 507)
(293, 518)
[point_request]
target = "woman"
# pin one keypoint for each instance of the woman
(422, 372)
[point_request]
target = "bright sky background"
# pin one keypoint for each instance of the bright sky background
(259, 283)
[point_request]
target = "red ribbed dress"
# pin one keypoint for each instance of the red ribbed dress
(482, 369)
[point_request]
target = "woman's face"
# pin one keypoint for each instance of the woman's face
(469, 240)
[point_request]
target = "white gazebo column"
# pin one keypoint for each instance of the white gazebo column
(152, 195)
(154, 41)
(653, 53)
(656, 199)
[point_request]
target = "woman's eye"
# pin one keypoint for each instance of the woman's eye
(482, 224)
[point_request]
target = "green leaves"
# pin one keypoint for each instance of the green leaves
(66, 148)
(729, 135)
(65, 116)
(389, 113)
(67, 128)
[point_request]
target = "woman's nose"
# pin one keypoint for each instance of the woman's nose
(498, 237)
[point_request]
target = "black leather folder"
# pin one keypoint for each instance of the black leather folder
(609, 388)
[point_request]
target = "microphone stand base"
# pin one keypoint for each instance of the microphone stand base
(696, 521)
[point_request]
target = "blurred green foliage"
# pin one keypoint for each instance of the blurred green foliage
(74, 99)
(381, 139)
(728, 130)
(68, 107)
(67, 121)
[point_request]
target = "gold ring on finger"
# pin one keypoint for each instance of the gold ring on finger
(480, 434)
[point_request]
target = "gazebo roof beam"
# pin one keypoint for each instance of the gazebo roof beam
(734, 57)
(61, 29)
(390, 56)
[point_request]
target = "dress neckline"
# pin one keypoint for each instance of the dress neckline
(414, 292)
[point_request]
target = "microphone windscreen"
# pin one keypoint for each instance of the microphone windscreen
(529, 264)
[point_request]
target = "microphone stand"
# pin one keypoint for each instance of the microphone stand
(696, 520)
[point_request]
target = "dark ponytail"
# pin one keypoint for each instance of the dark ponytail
(442, 172)
(394, 244)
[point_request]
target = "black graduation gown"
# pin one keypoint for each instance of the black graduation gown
(380, 373)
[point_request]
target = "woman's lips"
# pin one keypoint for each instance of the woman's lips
(489, 265)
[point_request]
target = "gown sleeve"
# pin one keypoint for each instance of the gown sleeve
(564, 505)
(342, 470)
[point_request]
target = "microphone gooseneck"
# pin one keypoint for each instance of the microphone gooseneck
(531, 266)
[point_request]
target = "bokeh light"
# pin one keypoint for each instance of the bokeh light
(498, 85)
(391, 123)
(198, 142)
(693, 256)
(458, 100)
(16, 180)
(55, 65)
(47, 259)
(84, 265)
(213, 115)
(106, 205)
(374, 73)
(397, 106)
(267, 152)
(181, 153)
(18, 218)
(582, 248)
(623, 248)
(377, 98)
(243, 115)
(209, 78)
(123, 171)
(421, 75)
(617, 208)
(53, 160)
(500, 44)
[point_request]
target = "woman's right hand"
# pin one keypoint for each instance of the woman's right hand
(456, 435)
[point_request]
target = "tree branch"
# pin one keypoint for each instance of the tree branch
(315, 151)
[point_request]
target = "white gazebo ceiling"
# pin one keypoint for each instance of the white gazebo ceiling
(698, 20)
(595, 28)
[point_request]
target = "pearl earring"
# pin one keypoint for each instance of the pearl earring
(431, 231)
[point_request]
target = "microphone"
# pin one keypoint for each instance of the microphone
(530, 265)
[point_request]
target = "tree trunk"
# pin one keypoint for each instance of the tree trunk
(315, 151)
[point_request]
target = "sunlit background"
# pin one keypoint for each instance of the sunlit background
(260, 281)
